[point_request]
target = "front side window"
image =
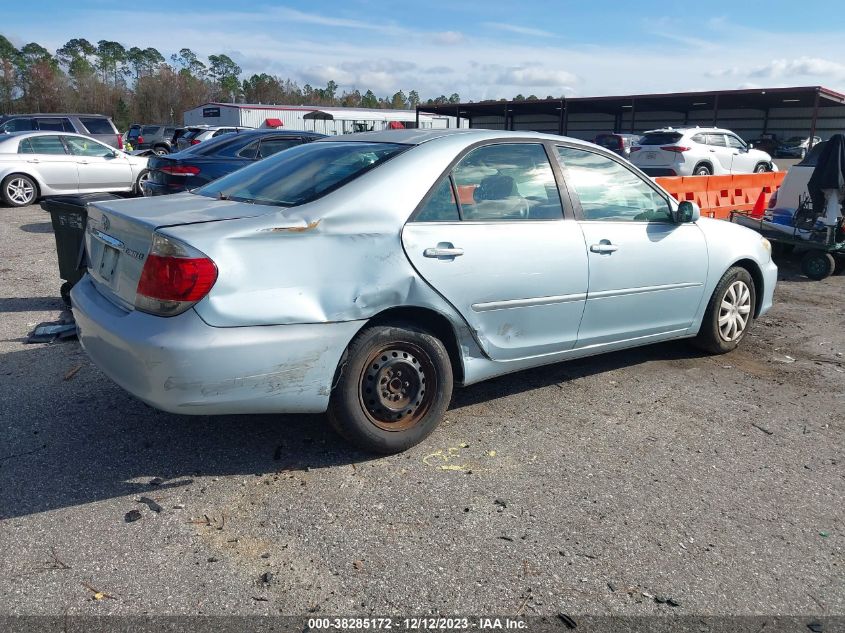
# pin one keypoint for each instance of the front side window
(301, 174)
(43, 145)
(734, 142)
(717, 140)
(609, 191)
(81, 146)
(509, 181)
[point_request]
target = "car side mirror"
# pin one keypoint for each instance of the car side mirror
(686, 212)
(751, 146)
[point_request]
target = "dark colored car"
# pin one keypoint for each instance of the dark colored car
(619, 143)
(158, 137)
(97, 126)
(768, 143)
(212, 159)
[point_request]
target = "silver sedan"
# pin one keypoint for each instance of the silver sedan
(35, 164)
(368, 274)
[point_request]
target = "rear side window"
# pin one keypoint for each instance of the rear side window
(18, 125)
(54, 125)
(302, 174)
(660, 138)
(272, 146)
(610, 192)
(150, 130)
(97, 125)
(225, 130)
(441, 206)
(510, 181)
(46, 145)
(700, 138)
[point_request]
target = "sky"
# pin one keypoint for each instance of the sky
(479, 49)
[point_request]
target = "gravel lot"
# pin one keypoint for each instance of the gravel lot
(583, 487)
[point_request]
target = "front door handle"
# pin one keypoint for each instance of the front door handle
(604, 247)
(33, 160)
(444, 250)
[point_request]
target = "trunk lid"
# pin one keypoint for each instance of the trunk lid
(650, 154)
(119, 235)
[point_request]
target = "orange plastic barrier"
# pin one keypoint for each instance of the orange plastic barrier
(719, 195)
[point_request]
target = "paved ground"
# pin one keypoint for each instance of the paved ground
(576, 488)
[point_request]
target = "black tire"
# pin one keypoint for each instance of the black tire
(840, 265)
(144, 175)
(818, 265)
(702, 169)
(64, 291)
(761, 168)
(712, 337)
(160, 150)
(375, 404)
(18, 190)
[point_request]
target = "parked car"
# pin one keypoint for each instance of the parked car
(208, 161)
(697, 152)
(195, 135)
(365, 275)
(794, 185)
(158, 138)
(36, 164)
(768, 142)
(619, 143)
(96, 126)
(796, 146)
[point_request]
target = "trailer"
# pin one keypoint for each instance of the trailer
(331, 121)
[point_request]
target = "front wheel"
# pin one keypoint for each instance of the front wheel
(393, 390)
(729, 312)
(18, 190)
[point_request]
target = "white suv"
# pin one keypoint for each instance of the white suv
(697, 151)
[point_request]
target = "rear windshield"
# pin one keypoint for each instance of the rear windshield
(812, 157)
(192, 132)
(97, 125)
(610, 141)
(301, 174)
(660, 138)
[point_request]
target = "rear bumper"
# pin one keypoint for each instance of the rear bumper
(182, 365)
(149, 188)
(658, 171)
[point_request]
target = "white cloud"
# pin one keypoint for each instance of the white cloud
(534, 76)
(813, 66)
(519, 30)
(449, 37)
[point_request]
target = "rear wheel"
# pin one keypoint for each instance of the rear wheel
(761, 168)
(160, 150)
(729, 312)
(393, 390)
(818, 265)
(702, 170)
(18, 190)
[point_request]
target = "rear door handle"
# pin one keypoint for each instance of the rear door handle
(439, 252)
(604, 247)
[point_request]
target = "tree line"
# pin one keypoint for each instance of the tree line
(141, 85)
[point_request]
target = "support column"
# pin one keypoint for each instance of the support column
(814, 120)
(633, 115)
(715, 109)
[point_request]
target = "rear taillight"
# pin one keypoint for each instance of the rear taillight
(119, 141)
(140, 139)
(773, 200)
(194, 141)
(636, 149)
(174, 278)
(180, 170)
(675, 148)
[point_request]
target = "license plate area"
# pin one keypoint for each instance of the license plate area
(108, 262)
(651, 155)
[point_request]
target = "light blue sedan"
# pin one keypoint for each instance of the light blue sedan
(366, 275)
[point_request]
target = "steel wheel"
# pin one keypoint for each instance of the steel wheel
(734, 311)
(21, 191)
(144, 177)
(397, 386)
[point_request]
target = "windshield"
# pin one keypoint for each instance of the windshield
(301, 174)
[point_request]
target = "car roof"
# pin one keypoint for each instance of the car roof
(684, 130)
(464, 135)
(55, 114)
